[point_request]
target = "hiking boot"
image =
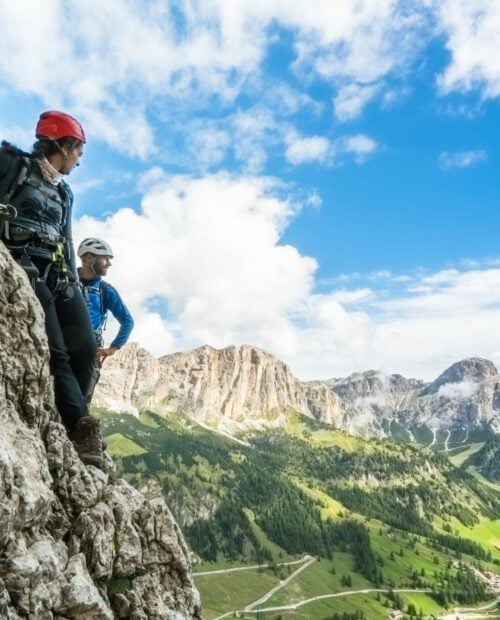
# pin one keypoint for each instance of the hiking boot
(88, 441)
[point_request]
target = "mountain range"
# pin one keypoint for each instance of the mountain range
(245, 388)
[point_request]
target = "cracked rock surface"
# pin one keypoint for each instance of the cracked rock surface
(74, 542)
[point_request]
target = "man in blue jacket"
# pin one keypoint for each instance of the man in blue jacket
(101, 298)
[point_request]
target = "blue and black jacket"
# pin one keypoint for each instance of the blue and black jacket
(102, 298)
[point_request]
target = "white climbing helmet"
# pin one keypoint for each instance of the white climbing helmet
(95, 246)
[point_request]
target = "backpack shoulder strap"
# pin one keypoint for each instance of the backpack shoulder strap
(103, 289)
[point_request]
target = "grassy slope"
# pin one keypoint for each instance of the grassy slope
(223, 593)
(368, 603)
(486, 533)
(118, 445)
(472, 470)
(459, 455)
(231, 591)
(318, 579)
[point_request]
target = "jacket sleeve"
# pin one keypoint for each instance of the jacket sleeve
(69, 250)
(113, 302)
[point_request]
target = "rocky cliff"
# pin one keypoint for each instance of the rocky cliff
(239, 388)
(74, 542)
(229, 389)
(464, 397)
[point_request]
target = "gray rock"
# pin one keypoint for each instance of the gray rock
(240, 388)
(473, 370)
(74, 543)
(231, 389)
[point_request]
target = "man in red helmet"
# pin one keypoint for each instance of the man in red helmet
(38, 234)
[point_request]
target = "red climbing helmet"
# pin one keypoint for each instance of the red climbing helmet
(53, 125)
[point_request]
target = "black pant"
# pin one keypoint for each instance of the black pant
(72, 347)
(96, 375)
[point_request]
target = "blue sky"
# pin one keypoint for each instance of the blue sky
(319, 179)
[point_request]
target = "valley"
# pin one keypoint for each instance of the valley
(370, 496)
(323, 524)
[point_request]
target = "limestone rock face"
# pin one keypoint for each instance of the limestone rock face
(369, 398)
(473, 370)
(464, 397)
(74, 543)
(373, 383)
(241, 388)
(324, 404)
(229, 389)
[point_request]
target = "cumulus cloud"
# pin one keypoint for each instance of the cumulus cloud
(344, 296)
(204, 262)
(122, 63)
(360, 145)
(472, 30)
(306, 150)
(123, 66)
(351, 99)
(211, 248)
(461, 159)
(458, 391)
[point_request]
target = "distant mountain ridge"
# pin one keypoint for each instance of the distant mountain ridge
(241, 388)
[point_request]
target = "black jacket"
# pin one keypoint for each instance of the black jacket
(43, 209)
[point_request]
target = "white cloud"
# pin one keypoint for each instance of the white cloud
(151, 178)
(84, 186)
(208, 144)
(124, 65)
(210, 250)
(212, 246)
(461, 159)
(465, 292)
(290, 100)
(253, 131)
(458, 391)
(351, 99)
(351, 297)
(118, 65)
(306, 150)
(362, 146)
(15, 134)
(472, 30)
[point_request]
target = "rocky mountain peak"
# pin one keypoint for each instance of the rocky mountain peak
(74, 543)
(371, 383)
(472, 370)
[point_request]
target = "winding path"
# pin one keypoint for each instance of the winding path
(254, 567)
(282, 584)
(295, 606)
(464, 613)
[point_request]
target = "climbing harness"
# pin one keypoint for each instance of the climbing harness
(62, 287)
(7, 212)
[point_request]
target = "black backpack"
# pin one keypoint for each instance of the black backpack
(14, 167)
